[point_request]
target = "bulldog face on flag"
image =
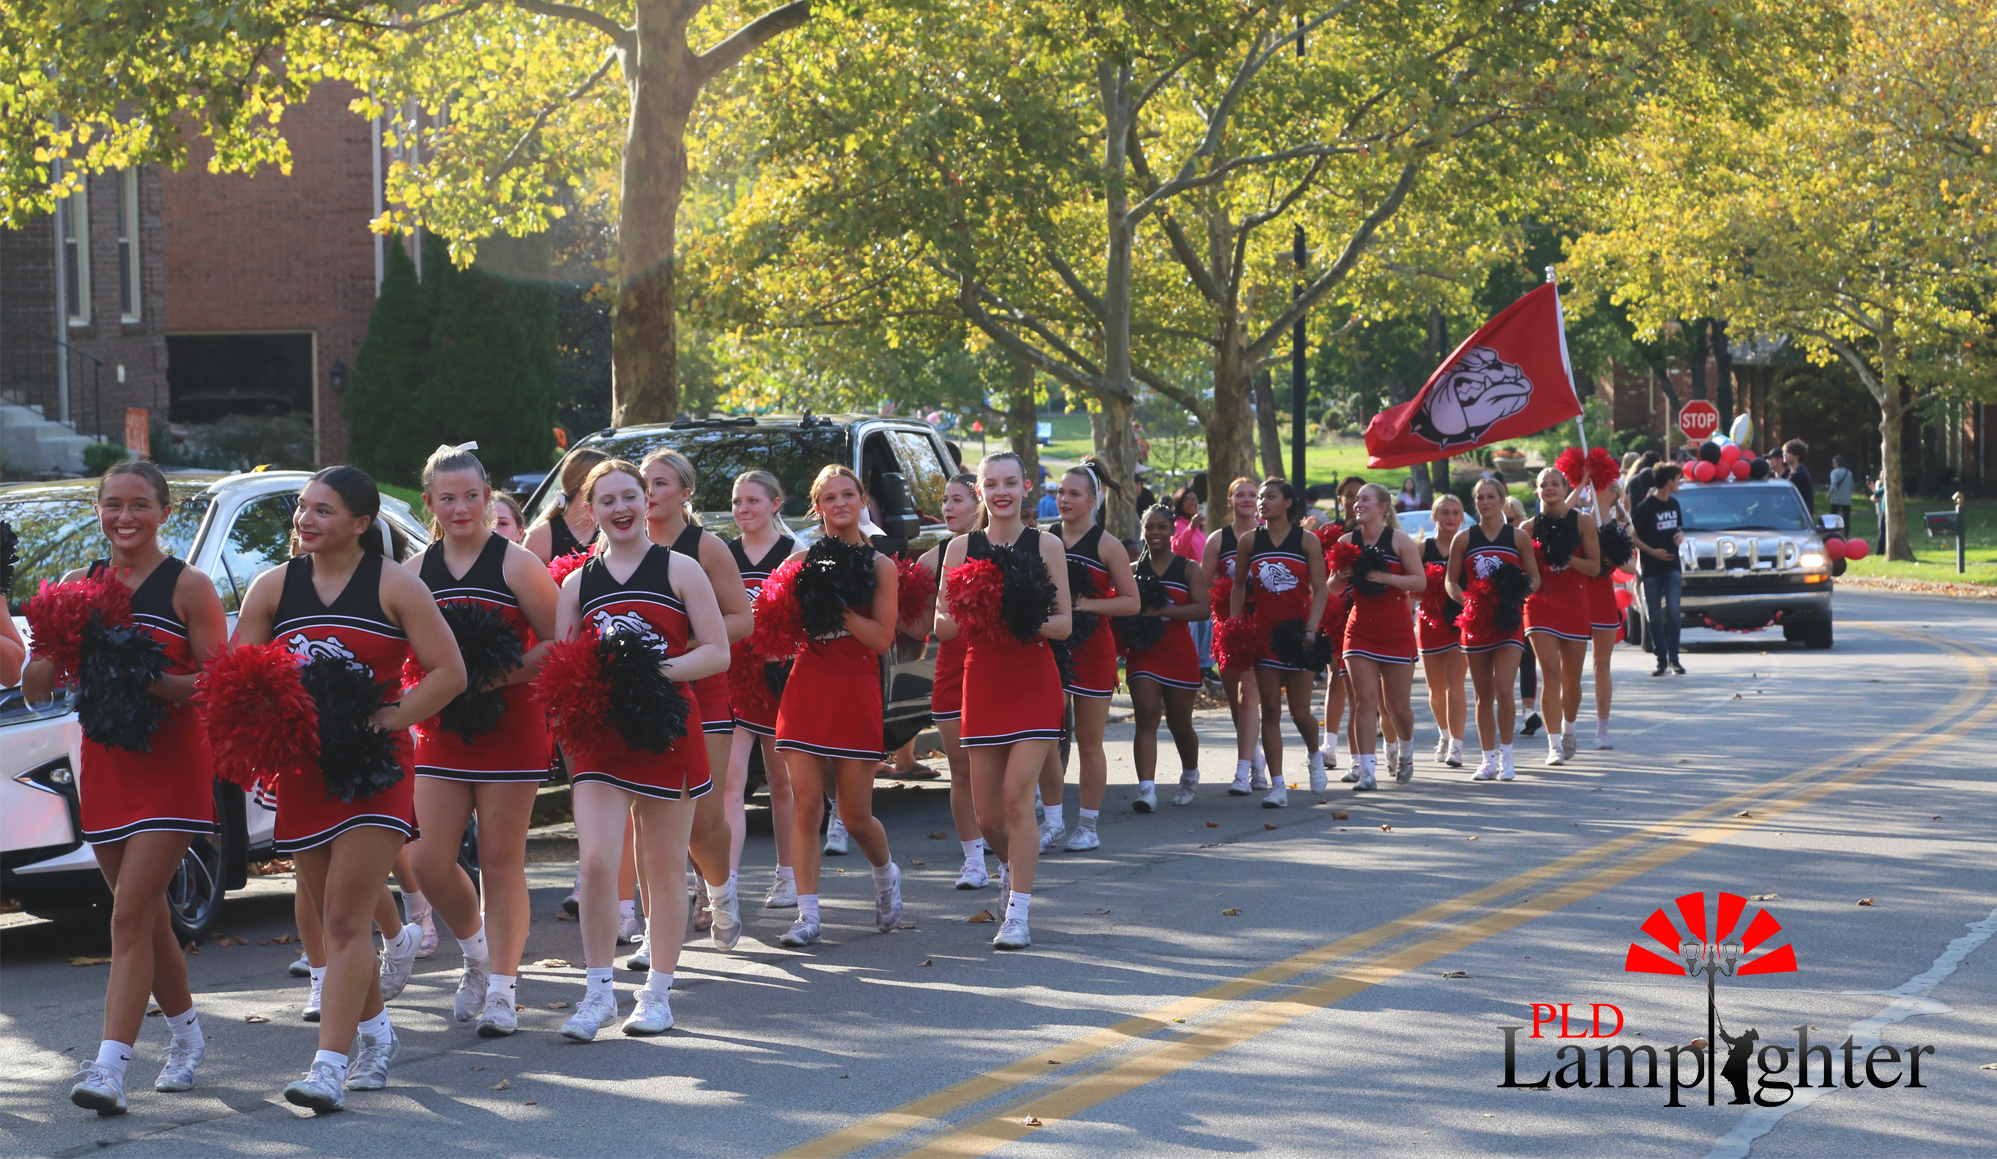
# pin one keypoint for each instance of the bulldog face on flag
(1476, 392)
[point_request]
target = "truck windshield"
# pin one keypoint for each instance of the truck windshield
(792, 455)
(1729, 507)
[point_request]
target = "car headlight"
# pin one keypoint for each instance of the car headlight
(1812, 559)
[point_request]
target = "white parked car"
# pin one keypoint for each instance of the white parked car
(233, 528)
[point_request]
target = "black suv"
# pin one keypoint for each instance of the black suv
(903, 462)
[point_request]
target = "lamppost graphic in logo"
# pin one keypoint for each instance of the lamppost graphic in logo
(1714, 956)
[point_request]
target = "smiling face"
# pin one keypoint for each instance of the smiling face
(666, 493)
(1367, 506)
(1553, 490)
(324, 522)
(753, 506)
(1157, 532)
(129, 512)
(458, 501)
(960, 508)
(1075, 498)
(1241, 500)
(1448, 519)
(839, 504)
(1001, 487)
(618, 503)
(1272, 503)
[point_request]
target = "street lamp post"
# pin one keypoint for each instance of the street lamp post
(1297, 351)
(1712, 961)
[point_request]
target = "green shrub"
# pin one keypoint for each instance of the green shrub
(1623, 442)
(99, 457)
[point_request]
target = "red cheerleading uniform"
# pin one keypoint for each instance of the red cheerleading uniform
(644, 603)
(513, 750)
(712, 691)
(1603, 614)
(832, 702)
(1094, 662)
(1560, 606)
(1173, 661)
(1379, 627)
(946, 695)
(1012, 690)
(1280, 583)
(754, 572)
(354, 628)
(1448, 637)
(1480, 556)
(171, 788)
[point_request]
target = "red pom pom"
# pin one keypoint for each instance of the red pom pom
(1344, 554)
(1219, 593)
(1603, 467)
(748, 688)
(1337, 610)
(260, 719)
(1238, 642)
(977, 598)
(58, 613)
(562, 565)
(1435, 596)
(1480, 602)
(915, 587)
(574, 691)
(1328, 534)
(1571, 464)
(779, 630)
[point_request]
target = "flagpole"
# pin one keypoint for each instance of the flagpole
(1580, 426)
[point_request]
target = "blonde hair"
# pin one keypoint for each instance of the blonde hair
(608, 466)
(1442, 497)
(1386, 500)
(828, 473)
(1556, 473)
(681, 466)
(446, 459)
(1514, 510)
(761, 478)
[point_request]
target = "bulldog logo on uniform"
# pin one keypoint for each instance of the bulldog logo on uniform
(607, 623)
(305, 646)
(1274, 577)
(1473, 394)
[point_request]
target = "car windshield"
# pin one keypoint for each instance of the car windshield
(792, 454)
(57, 526)
(1734, 508)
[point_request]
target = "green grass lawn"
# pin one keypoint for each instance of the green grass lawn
(1936, 556)
(409, 495)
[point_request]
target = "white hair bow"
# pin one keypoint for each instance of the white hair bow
(471, 446)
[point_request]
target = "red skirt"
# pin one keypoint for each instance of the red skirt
(715, 713)
(1012, 691)
(1095, 664)
(170, 789)
(516, 750)
(946, 696)
(680, 773)
(1560, 606)
(832, 702)
(308, 816)
(1380, 628)
(1432, 640)
(1173, 661)
(1603, 614)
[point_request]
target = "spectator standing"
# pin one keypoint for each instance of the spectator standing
(1879, 512)
(1838, 492)
(1410, 497)
(1658, 521)
(1049, 508)
(1799, 472)
(1644, 477)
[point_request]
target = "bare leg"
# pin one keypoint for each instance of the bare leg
(807, 790)
(776, 774)
(1483, 675)
(445, 807)
(1573, 657)
(668, 827)
(741, 743)
(856, 808)
(1270, 683)
(627, 865)
(505, 813)
(142, 961)
(1397, 686)
(1552, 679)
(602, 818)
(348, 876)
(1179, 718)
(1605, 646)
(1003, 778)
(305, 912)
(1454, 668)
(1244, 704)
(1505, 665)
(387, 918)
(1147, 699)
(712, 839)
(963, 805)
(1389, 725)
(1091, 718)
(1365, 702)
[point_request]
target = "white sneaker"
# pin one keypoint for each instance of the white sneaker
(302, 968)
(369, 1070)
(472, 979)
(887, 901)
(1259, 779)
(801, 933)
(783, 894)
(1279, 796)
(1553, 756)
(1012, 935)
(974, 875)
(1184, 795)
(500, 1019)
(1568, 745)
(835, 838)
(1330, 751)
(701, 908)
(312, 1003)
(1366, 783)
(1442, 749)
(652, 1014)
(1315, 765)
(425, 919)
(1147, 798)
(1507, 770)
(1351, 775)
(396, 967)
(1602, 742)
(177, 1072)
(727, 920)
(1083, 839)
(323, 1089)
(641, 958)
(631, 929)
(596, 1011)
(101, 1089)
(1239, 788)
(1487, 771)
(572, 904)
(1405, 770)
(1455, 758)
(1050, 836)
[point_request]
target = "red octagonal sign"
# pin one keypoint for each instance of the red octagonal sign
(1699, 420)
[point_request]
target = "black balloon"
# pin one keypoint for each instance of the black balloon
(1710, 452)
(1758, 469)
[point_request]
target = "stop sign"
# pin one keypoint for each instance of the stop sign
(1699, 421)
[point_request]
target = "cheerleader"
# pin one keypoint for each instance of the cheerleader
(568, 526)
(1112, 591)
(1605, 616)
(1012, 689)
(1442, 661)
(1244, 695)
(495, 773)
(139, 809)
(342, 597)
(757, 503)
(1492, 654)
(1557, 615)
(635, 585)
(961, 514)
(670, 479)
(1379, 645)
(1284, 567)
(832, 711)
(1164, 676)
(508, 520)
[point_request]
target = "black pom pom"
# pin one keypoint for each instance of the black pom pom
(776, 674)
(1064, 662)
(837, 575)
(1081, 586)
(9, 556)
(1030, 596)
(1140, 633)
(649, 710)
(1286, 643)
(492, 648)
(356, 759)
(1558, 538)
(1615, 543)
(1151, 591)
(1510, 585)
(1371, 559)
(114, 669)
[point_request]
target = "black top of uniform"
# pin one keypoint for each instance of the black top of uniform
(978, 545)
(1507, 537)
(486, 576)
(359, 600)
(688, 543)
(1431, 552)
(1655, 522)
(1089, 546)
(153, 598)
(1174, 573)
(653, 574)
(562, 541)
(758, 569)
(1293, 543)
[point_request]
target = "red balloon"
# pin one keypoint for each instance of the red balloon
(1834, 548)
(1621, 576)
(1729, 453)
(1856, 549)
(1747, 453)
(1738, 468)
(1703, 472)
(1624, 598)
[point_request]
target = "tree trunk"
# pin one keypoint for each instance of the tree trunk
(1892, 421)
(1695, 362)
(1723, 371)
(644, 354)
(1230, 445)
(1116, 443)
(1022, 423)
(1267, 429)
(1118, 451)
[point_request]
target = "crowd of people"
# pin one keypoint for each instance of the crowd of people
(1035, 627)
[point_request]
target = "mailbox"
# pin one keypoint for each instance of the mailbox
(1944, 524)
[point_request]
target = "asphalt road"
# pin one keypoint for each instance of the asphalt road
(1224, 978)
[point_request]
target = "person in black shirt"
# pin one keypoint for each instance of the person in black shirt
(1658, 521)
(1644, 477)
(1799, 472)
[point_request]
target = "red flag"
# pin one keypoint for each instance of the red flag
(1508, 380)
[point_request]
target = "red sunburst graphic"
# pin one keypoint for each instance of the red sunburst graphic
(1692, 908)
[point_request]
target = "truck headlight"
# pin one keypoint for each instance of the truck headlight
(1812, 559)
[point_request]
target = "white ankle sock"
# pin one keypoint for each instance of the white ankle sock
(502, 988)
(882, 874)
(1505, 751)
(332, 1058)
(807, 907)
(973, 851)
(1491, 757)
(597, 980)
(401, 941)
(787, 874)
(186, 1027)
(1017, 905)
(318, 975)
(1189, 777)
(414, 903)
(1089, 816)
(476, 948)
(1242, 769)
(1143, 785)
(115, 1056)
(375, 1028)
(1057, 816)
(1260, 762)
(659, 983)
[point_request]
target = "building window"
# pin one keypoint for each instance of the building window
(128, 244)
(74, 212)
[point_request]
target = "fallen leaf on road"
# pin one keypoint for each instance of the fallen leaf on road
(558, 1006)
(503, 1085)
(845, 1076)
(983, 915)
(1340, 815)
(1266, 825)
(926, 962)
(254, 1019)
(1096, 912)
(918, 863)
(1213, 824)
(553, 964)
(1032, 1122)
(1938, 816)
(1684, 760)
(1456, 973)
(1178, 1020)
(1765, 897)
(530, 1103)
(562, 917)
(1736, 696)
(191, 948)
(1230, 913)
(81, 961)
(906, 926)
(1386, 828)
(1473, 839)
(1865, 901)
(478, 1068)
(936, 836)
